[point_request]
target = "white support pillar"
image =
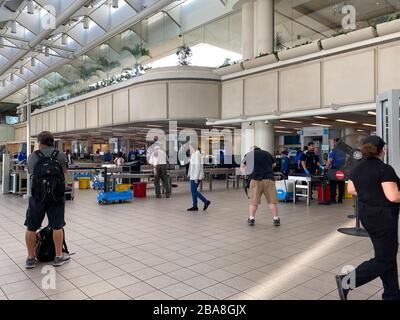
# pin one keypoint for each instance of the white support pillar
(28, 137)
(264, 136)
(265, 26)
(348, 131)
(247, 137)
(248, 30)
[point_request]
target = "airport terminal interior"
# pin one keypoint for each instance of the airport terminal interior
(116, 81)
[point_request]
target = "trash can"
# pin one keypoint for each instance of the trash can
(324, 197)
(84, 183)
(139, 189)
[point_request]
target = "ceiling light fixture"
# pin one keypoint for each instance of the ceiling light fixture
(31, 7)
(13, 26)
(346, 121)
(85, 22)
(12, 76)
(64, 39)
(320, 117)
(1, 42)
(291, 121)
(372, 113)
(46, 51)
(281, 131)
(321, 125)
(33, 62)
(369, 125)
(115, 4)
(21, 70)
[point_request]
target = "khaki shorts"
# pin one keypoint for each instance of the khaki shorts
(262, 187)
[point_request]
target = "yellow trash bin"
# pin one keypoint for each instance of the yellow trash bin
(84, 183)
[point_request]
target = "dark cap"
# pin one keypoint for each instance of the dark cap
(375, 141)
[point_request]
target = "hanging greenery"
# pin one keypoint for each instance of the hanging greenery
(279, 42)
(184, 54)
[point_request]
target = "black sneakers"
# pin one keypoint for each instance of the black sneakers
(251, 222)
(206, 205)
(277, 222)
(342, 292)
(193, 209)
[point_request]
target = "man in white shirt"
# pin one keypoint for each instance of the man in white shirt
(158, 159)
(196, 174)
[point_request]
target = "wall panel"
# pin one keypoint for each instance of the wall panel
(105, 110)
(232, 99)
(92, 113)
(261, 94)
(121, 107)
(350, 78)
(148, 102)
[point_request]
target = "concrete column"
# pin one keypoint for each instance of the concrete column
(247, 137)
(28, 137)
(264, 136)
(348, 131)
(265, 26)
(248, 30)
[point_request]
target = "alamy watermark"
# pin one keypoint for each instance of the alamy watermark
(49, 278)
(349, 278)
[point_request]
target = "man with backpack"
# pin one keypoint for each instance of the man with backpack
(46, 167)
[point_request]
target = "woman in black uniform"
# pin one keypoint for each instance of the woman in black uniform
(377, 187)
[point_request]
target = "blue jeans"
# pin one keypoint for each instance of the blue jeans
(196, 194)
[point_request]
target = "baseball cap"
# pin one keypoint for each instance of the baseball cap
(375, 141)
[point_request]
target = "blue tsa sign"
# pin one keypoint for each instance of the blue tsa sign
(326, 131)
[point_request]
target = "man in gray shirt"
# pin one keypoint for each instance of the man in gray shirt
(37, 209)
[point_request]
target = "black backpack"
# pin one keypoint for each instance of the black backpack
(48, 182)
(45, 249)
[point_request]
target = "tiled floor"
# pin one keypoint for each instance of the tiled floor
(154, 249)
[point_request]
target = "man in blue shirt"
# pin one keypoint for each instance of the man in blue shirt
(131, 155)
(107, 156)
(337, 159)
(285, 163)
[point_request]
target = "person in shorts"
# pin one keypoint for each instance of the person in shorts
(258, 166)
(37, 209)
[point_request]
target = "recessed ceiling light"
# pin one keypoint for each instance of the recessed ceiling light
(282, 131)
(320, 117)
(346, 121)
(369, 125)
(321, 125)
(291, 121)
